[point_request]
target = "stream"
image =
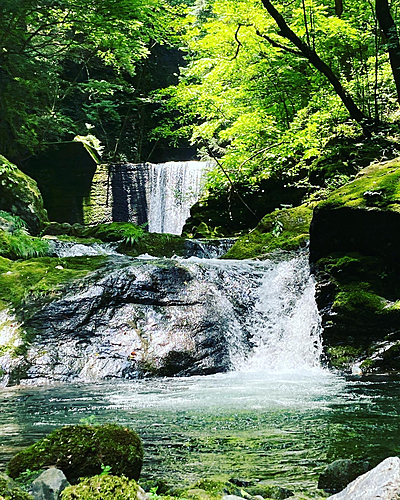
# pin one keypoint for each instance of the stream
(275, 414)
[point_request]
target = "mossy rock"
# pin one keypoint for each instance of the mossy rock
(81, 450)
(20, 195)
(286, 229)
(102, 488)
(9, 490)
(42, 277)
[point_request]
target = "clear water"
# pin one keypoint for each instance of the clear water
(282, 427)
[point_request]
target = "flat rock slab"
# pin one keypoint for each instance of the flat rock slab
(382, 482)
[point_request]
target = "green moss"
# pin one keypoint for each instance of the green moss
(81, 450)
(20, 245)
(286, 229)
(375, 186)
(102, 488)
(9, 490)
(20, 195)
(358, 301)
(41, 277)
(341, 357)
(158, 245)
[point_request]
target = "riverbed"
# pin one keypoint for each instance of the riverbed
(249, 424)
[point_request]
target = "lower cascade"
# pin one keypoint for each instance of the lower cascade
(142, 317)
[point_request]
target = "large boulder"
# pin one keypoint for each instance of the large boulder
(354, 242)
(20, 195)
(382, 482)
(82, 450)
(286, 229)
(128, 319)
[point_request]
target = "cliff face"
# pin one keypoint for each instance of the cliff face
(354, 250)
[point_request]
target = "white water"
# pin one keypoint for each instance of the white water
(286, 324)
(174, 188)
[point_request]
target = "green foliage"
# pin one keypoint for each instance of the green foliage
(102, 488)
(27, 477)
(69, 66)
(81, 450)
(21, 245)
(342, 357)
(9, 490)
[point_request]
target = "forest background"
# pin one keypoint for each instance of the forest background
(305, 91)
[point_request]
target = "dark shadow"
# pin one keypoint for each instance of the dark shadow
(128, 186)
(64, 175)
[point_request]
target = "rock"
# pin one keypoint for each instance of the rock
(340, 473)
(20, 196)
(82, 450)
(49, 485)
(198, 494)
(382, 482)
(266, 489)
(232, 497)
(354, 241)
(180, 318)
(286, 229)
(9, 490)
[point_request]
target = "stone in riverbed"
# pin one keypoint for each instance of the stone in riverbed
(382, 482)
(340, 473)
(49, 485)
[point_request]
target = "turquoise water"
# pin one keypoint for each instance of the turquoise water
(275, 426)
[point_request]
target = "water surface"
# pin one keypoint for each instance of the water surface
(250, 425)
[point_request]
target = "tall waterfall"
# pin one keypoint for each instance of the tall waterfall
(174, 189)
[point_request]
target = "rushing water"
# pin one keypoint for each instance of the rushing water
(279, 416)
(174, 188)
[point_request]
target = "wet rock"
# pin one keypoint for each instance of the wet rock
(340, 473)
(135, 318)
(382, 482)
(20, 195)
(49, 485)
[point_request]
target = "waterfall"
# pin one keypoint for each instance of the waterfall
(174, 189)
(285, 326)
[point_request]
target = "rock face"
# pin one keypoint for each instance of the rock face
(382, 482)
(49, 485)
(340, 473)
(20, 195)
(354, 242)
(134, 318)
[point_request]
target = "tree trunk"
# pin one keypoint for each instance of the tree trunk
(319, 64)
(389, 30)
(339, 8)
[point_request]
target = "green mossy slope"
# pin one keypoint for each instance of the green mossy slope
(375, 186)
(286, 229)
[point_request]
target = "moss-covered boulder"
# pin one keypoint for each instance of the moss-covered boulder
(286, 229)
(354, 242)
(9, 489)
(102, 488)
(20, 195)
(82, 450)
(362, 216)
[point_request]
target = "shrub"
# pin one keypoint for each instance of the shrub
(102, 488)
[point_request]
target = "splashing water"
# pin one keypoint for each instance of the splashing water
(285, 326)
